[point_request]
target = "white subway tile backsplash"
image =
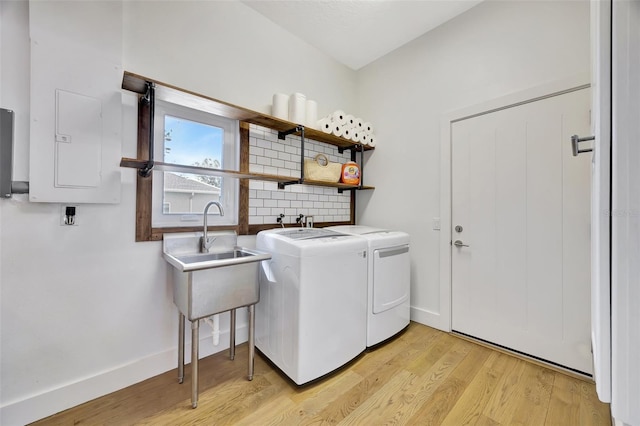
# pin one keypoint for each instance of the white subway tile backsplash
(270, 136)
(256, 184)
(256, 131)
(269, 155)
(270, 170)
(283, 156)
(287, 172)
(292, 150)
(256, 202)
(264, 144)
(256, 220)
(263, 161)
(271, 186)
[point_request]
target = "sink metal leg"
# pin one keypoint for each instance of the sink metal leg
(232, 334)
(195, 337)
(180, 347)
(252, 335)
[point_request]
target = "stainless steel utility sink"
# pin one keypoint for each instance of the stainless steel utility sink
(204, 284)
(209, 283)
(199, 261)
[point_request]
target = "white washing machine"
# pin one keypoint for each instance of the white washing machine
(312, 314)
(389, 282)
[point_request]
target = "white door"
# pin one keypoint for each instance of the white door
(521, 217)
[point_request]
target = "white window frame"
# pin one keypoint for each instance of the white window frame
(229, 196)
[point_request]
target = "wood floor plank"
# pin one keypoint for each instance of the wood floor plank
(564, 405)
(426, 358)
(446, 396)
(469, 407)
(503, 401)
(423, 377)
(536, 385)
(591, 413)
(378, 373)
(391, 394)
(304, 405)
(396, 401)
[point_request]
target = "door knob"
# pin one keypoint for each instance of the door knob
(459, 243)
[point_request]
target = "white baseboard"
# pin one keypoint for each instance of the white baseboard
(47, 403)
(429, 318)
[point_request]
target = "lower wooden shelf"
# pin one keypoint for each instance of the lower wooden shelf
(336, 185)
(285, 180)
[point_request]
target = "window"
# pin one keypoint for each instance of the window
(189, 137)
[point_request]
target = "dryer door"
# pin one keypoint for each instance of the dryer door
(390, 277)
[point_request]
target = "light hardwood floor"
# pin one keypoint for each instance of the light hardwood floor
(423, 377)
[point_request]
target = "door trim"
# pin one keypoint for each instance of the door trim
(442, 320)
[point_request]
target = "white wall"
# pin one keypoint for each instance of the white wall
(230, 52)
(492, 50)
(625, 213)
(85, 310)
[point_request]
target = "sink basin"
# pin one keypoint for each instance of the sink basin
(205, 284)
(198, 261)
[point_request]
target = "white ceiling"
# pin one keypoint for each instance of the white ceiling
(357, 32)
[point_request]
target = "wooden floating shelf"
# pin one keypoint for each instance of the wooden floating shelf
(168, 167)
(167, 92)
(336, 185)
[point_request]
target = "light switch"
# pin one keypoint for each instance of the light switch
(436, 223)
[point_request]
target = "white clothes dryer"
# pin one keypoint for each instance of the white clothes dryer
(388, 278)
(312, 316)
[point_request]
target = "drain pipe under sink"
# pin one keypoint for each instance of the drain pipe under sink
(215, 326)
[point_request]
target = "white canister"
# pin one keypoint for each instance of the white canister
(297, 108)
(280, 106)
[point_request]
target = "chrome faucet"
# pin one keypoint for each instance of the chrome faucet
(206, 242)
